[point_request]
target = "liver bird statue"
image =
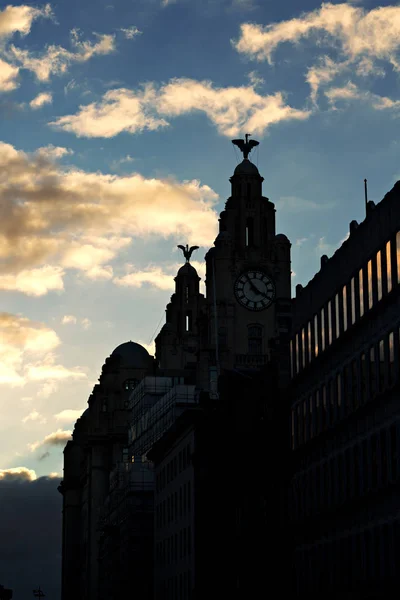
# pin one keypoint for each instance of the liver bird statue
(187, 252)
(245, 146)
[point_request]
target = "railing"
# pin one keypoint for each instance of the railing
(251, 359)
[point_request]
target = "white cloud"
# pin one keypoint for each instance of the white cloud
(351, 92)
(67, 319)
(57, 218)
(86, 323)
(130, 32)
(34, 415)
(8, 76)
(155, 276)
(57, 438)
(20, 18)
(232, 109)
(44, 372)
(40, 100)
(18, 473)
(55, 60)
(69, 415)
(53, 152)
(362, 37)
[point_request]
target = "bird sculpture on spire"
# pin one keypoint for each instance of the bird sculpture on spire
(245, 146)
(187, 252)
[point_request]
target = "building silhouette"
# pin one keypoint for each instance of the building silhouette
(5, 593)
(261, 439)
(345, 415)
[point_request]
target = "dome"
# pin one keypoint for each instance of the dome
(132, 355)
(246, 168)
(281, 237)
(187, 269)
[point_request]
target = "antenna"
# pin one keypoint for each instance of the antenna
(366, 195)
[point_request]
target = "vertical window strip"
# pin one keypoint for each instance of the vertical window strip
(291, 358)
(344, 292)
(379, 274)
(353, 300)
(389, 266)
(322, 329)
(316, 335)
(329, 322)
(303, 348)
(309, 341)
(337, 318)
(361, 288)
(370, 284)
(391, 358)
(297, 353)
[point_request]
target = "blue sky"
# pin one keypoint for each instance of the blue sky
(115, 146)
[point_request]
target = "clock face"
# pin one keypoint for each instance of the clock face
(254, 290)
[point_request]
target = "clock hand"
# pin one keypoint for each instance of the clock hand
(255, 288)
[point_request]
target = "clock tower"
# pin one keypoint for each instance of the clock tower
(248, 277)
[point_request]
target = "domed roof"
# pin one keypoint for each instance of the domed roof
(132, 355)
(246, 168)
(281, 237)
(187, 269)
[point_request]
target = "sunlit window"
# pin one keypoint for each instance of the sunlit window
(353, 300)
(361, 289)
(322, 329)
(316, 335)
(297, 353)
(379, 274)
(303, 348)
(309, 341)
(370, 284)
(391, 359)
(389, 266)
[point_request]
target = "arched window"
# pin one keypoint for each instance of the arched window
(130, 384)
(255, 337)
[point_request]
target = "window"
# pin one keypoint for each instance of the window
(309, 341)
(322, 329)
(255, 339)
(381, 365)
(303, 348)
(249, 231)
(297, 353)
(188, 323)
(353, 300)
(329, 322)
(372, 372)
(363, 382)
(130, 384)
(316, 335)
(370, 284)
(354, 386)
(361, 289)
(391, 368)
(379, 274)
(187, 294)
(389, 266)
(337, 318)
(291, 357)
(398, 255)
(344, 292)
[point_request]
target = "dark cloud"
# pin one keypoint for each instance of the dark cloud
(30, 534)
(45, 455)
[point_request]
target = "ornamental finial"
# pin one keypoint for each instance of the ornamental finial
(245, 145)
(187, 252)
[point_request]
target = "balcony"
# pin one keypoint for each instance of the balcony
(251, 360)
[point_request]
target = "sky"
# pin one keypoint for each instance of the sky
(116, 121)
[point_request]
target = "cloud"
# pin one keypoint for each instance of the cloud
(67, 319)
(359, 36)
(20, 18)
(69, 415)
(57, 218)
(17, 474)
(294, 204)
(130, 32)
(30, 521)
(8, 76)
(41, 100)
(351, 92)
(86, 323)
(55, 60)
(34, 415)
(155, 276)
(57, 438)
(232, 109)
(324, 247)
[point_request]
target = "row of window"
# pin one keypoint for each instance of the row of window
(175, 466)
(254, 336)
(174, 548)
(370, 373)
(341, 565)
(178, 587)
(369, 464)
(367, 287)
(177, 505)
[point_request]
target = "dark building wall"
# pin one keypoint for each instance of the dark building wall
(345, 417)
